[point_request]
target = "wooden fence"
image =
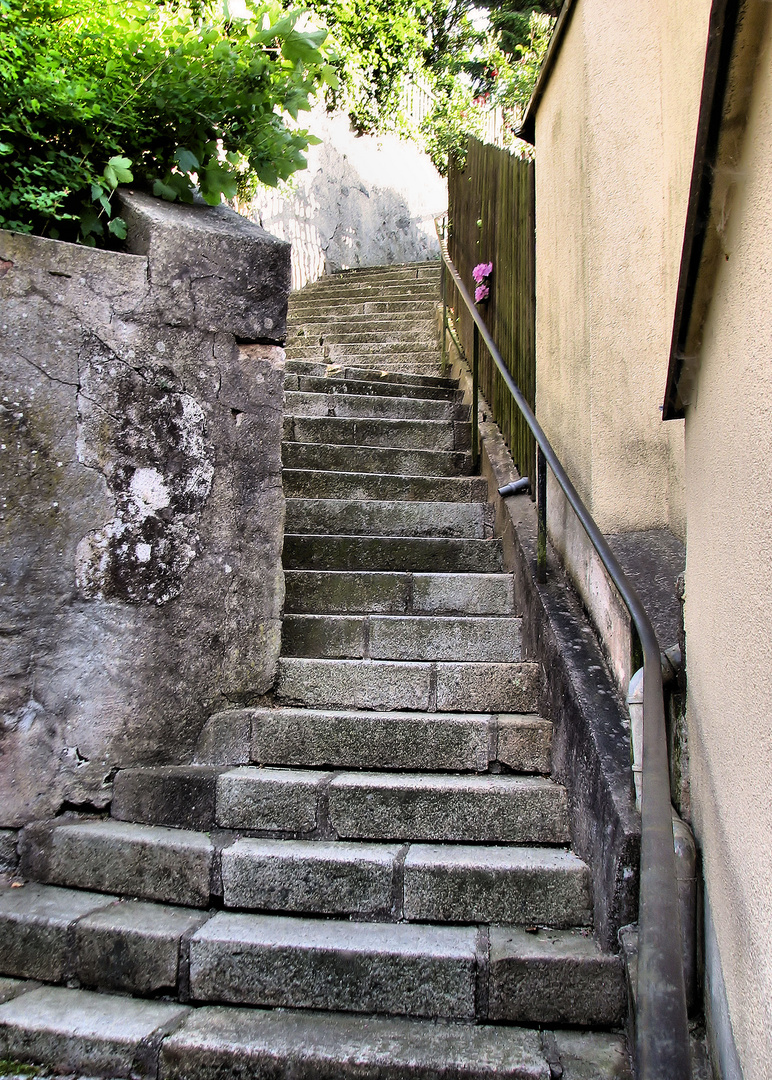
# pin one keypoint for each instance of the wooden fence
(491, 219)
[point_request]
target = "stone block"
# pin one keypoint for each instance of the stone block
(326, 878)
(445, 637)
(134, 947)
(297, 454)
(402, 434)
(225, 738)
(35, 921)
(222, 1044)
(524, 743)
(368, 684)
(470, 594)
(182, 796)
(586, 1055)
(399, 969)
(76, 1031)
(400, 553)
(318, 484)
(475, 809)
(146, 861)
(475, 687)
(271, 800)
(338, 592)
(554, 977)
(232, 275)
(11, 988)
(518, 885)
(367, 406)
(393, 740)
(385, 517)
(331, 636)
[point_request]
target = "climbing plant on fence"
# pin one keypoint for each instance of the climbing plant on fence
(491, 215)
(160, 94)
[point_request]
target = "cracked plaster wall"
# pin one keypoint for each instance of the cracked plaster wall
(362, 201)
(141, 508)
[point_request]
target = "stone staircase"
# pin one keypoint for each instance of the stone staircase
(370, 874)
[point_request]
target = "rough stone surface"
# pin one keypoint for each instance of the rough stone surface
(140, 576)
(355, 967)
(309, 876)
(450, 883)
(524, 743)
(382, 517)
(393, 593)
(154, 863)
(276, 800)
(375, 459)
(472, 809)
(370, 405)
(472, 594)
(489, 687)
(133, 946)
(11, 988)
(395, 740)
(225, 739)
(182, 796)
(554, 977)
(222, 1044)
(326, 552)
(85, 1033)
(405, 434)
(444, 637)
(9, 856)
(34, 929)
(376, 684)
(587, 1055)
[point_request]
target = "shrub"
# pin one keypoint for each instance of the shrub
(164, 95)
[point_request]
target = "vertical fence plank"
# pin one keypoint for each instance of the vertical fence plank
(497, 190)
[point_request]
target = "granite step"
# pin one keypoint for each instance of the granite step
(321, 484)
(300, 308)
(494, 639)
(332, 384)
(321, 551)
(444, 435)
(379, 592)
(316, 322)
(297, 403)
(375, 459)
(396, 331)
(85, 1033)
(367, 374)
(357, 739)
(423, 352)
(388, 517)
(422, 687)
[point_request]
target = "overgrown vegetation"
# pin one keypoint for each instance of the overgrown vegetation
(165, 95)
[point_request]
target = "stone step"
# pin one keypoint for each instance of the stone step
(375, 459)
(169, 865)
(420, 687)
(387, 517)
(331, 384)
(342, 592)
(375, 352)
(397, 331)
(318, 484)
(280, 961)
(315, 551)
(315, 323)
(84, 1033)
(299, 403)
(361, 967)
(493, 639)
(367, 374)
(444, 435)
(304, 307)
(328, 291)
(355, 739)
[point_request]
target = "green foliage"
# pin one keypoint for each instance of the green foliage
(165, 95)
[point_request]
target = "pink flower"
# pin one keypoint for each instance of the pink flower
(482, 292)
(482, 271)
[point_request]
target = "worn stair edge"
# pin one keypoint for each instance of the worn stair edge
(325, 551)
(379, 592)
(385, 517)
(375, 459)
(393, 740)
(423, 687)
(320, 484)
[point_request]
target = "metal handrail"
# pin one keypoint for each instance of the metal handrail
(662, 1039)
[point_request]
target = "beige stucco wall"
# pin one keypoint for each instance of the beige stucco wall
(729, 593)
(614, 146)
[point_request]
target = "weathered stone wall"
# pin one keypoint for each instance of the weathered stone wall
(141, 508)
(363, 201)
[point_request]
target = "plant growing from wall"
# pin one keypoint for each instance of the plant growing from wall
(167, 95)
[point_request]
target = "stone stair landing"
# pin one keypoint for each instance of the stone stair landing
(371, 874)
